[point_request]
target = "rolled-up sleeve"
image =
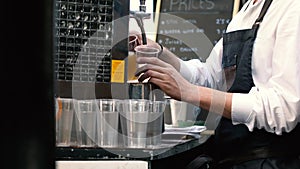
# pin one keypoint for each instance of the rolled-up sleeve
(208, 73)
(274, 103)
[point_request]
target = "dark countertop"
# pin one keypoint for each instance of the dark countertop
(171, 145)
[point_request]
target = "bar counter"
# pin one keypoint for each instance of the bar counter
(175, 151)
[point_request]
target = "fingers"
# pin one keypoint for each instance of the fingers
(163, 81)
(152, 74)
(152, 63)
(143, 77)
(154, 68)
(140, 71)
(152, 60)
(143, 72)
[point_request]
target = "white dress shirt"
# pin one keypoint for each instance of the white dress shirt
(274, 102)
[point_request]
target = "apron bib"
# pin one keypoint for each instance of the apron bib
(236, 140)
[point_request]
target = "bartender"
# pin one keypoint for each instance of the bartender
(251, 78)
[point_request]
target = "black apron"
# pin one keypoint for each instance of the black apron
(234, 146)
(236, 143)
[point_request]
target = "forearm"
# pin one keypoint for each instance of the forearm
(209, 99)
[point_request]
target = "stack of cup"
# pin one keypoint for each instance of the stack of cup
(142, 123)
(108, 122)
(134, 119)
(64, 121)
(155, 123)
(86, 113)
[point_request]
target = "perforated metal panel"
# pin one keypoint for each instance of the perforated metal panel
(83, 40)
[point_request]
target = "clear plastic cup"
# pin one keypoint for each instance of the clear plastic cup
(155, 124)
(134, 119)
(145, 51)
(87, 113)
(108, 122)
(64, 121)
(178, 112)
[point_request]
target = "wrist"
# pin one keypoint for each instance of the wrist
(192, 94)
(161, 49)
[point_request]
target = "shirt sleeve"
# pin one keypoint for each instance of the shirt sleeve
(275, 105)
(208, 73)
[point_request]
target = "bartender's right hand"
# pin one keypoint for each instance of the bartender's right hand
(166, 78)
(165, 54)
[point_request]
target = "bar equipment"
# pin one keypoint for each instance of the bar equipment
(139, 16)
(136, 89)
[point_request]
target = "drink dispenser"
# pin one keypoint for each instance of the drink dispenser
(136, 89)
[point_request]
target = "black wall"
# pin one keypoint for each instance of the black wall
(27, 111)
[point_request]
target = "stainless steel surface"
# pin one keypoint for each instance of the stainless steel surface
(149, 91)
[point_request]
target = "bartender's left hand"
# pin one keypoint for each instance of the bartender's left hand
(166, 77)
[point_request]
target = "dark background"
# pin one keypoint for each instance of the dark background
(27, 121)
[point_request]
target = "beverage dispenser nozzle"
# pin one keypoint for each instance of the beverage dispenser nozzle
(143, 90)
(139, 16)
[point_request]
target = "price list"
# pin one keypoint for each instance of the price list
(190, 28)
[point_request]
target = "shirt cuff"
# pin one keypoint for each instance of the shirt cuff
(242, 105)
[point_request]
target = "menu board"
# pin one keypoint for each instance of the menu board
(190, 28)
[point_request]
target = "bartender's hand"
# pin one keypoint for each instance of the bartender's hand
(166, 77)
(166, 55)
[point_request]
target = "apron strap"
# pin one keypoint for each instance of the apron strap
(262, 13)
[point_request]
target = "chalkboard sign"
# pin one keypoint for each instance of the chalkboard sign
(190, 28)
